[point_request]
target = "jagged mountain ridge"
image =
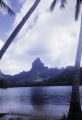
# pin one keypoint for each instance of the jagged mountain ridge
(40, 75)
(38, 72)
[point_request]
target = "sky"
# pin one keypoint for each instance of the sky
(53, 37)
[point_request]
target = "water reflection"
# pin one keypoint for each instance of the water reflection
(37, 98)
(52, 100)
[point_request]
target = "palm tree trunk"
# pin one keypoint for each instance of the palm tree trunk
(75, 107)
(18, 28)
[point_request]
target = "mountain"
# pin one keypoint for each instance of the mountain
(1, 75)
(38, 73)
(65, 78)
(37, 65)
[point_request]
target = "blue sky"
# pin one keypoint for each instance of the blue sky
(6, 21)
(52, 37)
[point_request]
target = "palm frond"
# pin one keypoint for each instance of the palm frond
(5, 6)
(63, 3)
(53, 5)
(78, 3)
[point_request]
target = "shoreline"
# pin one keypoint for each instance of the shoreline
(28, 117)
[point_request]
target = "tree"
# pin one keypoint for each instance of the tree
(6, 7)
(63, 4)
(18, 28)
(3, 83)
(75, 107)
(31, 10)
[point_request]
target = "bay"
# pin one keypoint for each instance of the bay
(28, 100)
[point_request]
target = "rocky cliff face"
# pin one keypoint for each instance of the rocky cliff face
(37, 65)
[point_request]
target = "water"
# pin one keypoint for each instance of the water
(52, 100)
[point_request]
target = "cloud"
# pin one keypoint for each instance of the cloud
(52, 37)
(1, 44)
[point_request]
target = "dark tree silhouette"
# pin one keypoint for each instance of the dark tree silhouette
(18, 28)
(6, 7)
(31, 10)
(75, 107)
(63, 4)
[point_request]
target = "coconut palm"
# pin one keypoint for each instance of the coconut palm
(18, 28)
(6, 7)
(75, 107)
(63, 4)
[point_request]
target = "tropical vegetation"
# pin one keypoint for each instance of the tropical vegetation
(75, 107)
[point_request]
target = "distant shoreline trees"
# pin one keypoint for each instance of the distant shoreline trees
(75, 107)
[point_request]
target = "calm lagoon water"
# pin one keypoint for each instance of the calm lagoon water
(52, 100)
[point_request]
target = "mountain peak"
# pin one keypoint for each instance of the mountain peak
(37, 65)
(37, 60)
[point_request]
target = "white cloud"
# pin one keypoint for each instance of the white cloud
(1, 44)
(52, 37)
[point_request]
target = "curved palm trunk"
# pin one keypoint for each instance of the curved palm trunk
(75, 107)
(18, 28)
